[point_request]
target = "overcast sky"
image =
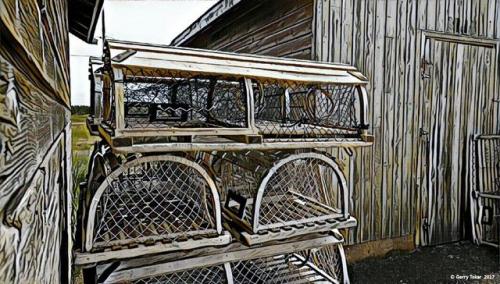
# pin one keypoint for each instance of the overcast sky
(152, 21)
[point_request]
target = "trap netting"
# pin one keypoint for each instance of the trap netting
(301, 267)
(292, 110)
(267, 190)
(164, 99)
(154, 198)
(288, 268)
(213, 274)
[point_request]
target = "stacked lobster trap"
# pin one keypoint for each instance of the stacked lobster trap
(206, 171)
(485, 193)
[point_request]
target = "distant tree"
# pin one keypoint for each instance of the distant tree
(80, 109)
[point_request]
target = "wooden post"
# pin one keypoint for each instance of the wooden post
(119, 95)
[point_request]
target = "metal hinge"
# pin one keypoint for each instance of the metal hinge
(425, 224)
(423, 132)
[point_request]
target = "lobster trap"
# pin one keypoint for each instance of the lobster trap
(245, 266)
(485, 189)
(157, 98)
(278, 195)
(151, 204)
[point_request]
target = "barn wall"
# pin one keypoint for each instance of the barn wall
(278, 28)
(386, 39)
(34, 143)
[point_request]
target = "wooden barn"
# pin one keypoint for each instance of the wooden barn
(433, 68)
(35, 136)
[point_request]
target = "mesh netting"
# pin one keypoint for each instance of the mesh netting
(486, 179)
(214, 274)
(154, 200)
(296, 192)
(162, 99)
(329, 260)
(292, 110)
(278, 269)
(486, 166)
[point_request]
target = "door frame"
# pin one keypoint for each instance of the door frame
(423, 35)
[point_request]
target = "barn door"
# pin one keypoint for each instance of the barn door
(456, 85)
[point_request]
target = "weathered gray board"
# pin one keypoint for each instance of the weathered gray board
(35, 157)
(416, 170)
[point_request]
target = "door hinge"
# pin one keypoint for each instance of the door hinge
(423, 132)
(425, 224)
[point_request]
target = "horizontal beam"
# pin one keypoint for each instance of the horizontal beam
(239, 253)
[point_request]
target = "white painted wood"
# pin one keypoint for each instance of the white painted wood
(252, 66)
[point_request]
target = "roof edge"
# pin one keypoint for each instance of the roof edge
(217, 10)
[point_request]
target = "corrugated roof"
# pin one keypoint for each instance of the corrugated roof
(142, 56)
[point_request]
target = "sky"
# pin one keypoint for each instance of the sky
(151, 21)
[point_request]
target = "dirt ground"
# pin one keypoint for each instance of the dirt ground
(451, 263)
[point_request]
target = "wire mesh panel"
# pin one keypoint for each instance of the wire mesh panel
(330, 259)
(268, 191)
(485, 181)
(155, 198)
(213, 274)
(290, 268)
(292, 110)
(164, 99)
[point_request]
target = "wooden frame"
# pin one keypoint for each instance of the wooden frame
(136, 269)
(248, 227)
(189, 244)
(128, 57)
(262, 187)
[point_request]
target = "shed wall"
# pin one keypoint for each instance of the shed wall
(278, 28)
(35, 161)
(386, 41)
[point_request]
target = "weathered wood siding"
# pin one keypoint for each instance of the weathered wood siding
(35, 162)
(278, 28)
(421, 114)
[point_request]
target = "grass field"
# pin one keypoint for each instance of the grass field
(81, 143)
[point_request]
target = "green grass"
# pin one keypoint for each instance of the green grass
(81, 138)
(81, 143)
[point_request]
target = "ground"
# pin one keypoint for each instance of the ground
(438, 264)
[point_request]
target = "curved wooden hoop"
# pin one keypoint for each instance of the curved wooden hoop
(280, 163)
(121, 169)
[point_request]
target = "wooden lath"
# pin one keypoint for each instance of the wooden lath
(133, 55)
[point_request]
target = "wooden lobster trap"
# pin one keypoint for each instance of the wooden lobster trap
(282, 194)
(147, 205)
(158, 99)
(281, 263)
(485, 189)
